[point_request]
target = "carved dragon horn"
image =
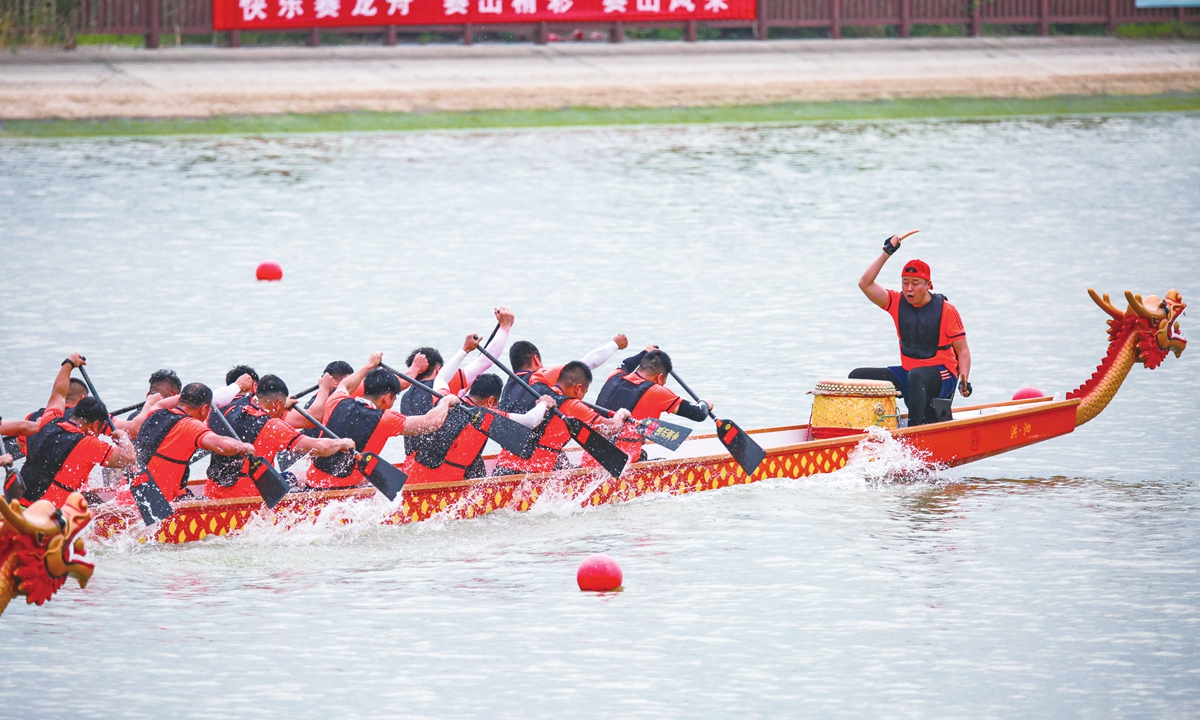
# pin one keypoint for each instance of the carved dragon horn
(15, 519)
(1106, 304)
(1135, 302)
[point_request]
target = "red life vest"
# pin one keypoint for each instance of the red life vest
(49, 449)
(349, 419)
(248, 421)
(455, 450)
(547, 440)
(153, 442)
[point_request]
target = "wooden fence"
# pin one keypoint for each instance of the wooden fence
(153, 18)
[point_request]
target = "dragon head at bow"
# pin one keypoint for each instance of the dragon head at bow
(1146, 332)
(38, 546)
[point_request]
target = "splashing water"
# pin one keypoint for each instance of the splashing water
(882, 459)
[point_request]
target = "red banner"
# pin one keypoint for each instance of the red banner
(303, 14)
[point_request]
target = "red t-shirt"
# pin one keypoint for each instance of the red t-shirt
(657, 400)
(87, 454)
(951, 330)
(390, 426)
(275, 436)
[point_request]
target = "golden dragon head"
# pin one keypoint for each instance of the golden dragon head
(42, 542)
(1154, 319)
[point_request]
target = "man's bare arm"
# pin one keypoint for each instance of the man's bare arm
(964, 362)
(432, 420)
(351, 382)
(875, 292)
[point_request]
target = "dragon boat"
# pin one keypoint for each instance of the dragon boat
(1145, 332)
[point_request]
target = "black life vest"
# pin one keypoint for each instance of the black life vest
(459, 442)
(413, 403)
(154, 431)
(349, 419)
(238, 402)
(248, 420)
(920, 327)
(536, 435)
(49, 449)
(620, 393)
(515, 399)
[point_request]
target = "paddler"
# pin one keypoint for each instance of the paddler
(173, 433)
(259, 423)
(570, 386)
(240, 382)
(163, 383)
(526, 361)
(76, 391)
(644, 394)
(419, 402)
(933, 343)
(369, 421)
(62, 453)
(455, 450)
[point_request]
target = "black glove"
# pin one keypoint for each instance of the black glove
(888, 247)
(965, 389)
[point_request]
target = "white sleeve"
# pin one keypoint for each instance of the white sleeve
(531, 418)
(442, 383)
(600, 355)
(481, 365)
(225, 395)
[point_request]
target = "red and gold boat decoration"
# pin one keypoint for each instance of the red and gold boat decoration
(1146, 332)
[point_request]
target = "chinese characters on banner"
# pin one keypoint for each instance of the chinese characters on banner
(303, 14)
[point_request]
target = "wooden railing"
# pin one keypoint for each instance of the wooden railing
(153, 18)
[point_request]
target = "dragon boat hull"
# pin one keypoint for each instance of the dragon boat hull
(700, 464)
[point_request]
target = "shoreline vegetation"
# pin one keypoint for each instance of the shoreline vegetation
(963, 108)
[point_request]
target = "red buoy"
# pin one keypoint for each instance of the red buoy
(1028, 392)
(269, 270)
(599, 573)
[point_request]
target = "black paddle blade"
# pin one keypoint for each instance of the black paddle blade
(269, 482)
(510, 434)
(152, 504)
(610, 457)
(741, 446)
(386, 477)
(663, 433)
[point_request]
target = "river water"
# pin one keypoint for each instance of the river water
(1059, 580)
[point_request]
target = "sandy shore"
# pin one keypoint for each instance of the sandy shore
(204, 82)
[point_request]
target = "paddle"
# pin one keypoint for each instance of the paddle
(668, 435)
(387, 478)
(267, 479)
(509, 434)
(610, 457)
(741, 446)
(151, 502)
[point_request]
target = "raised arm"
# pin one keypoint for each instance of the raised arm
(354, 379)
(325, 386)
(442, 382)
(875, 292)
(62, 382)
(123, 455)
(600, 355)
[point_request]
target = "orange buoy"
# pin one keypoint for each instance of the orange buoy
(1028, 392)
(269, 270)
(599, 573)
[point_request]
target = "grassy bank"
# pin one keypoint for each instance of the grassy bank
(784, 112)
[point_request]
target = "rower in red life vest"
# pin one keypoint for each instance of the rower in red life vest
(419, 402)
(644, 394)
(551, 435)
(64, 450)
(369, 421)
(455, 451)
(258, 423)
(172, 434)
(526, 361)
(240, 382)
(19, 432)
(933, 344)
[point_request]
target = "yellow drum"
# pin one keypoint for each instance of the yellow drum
(847, 407)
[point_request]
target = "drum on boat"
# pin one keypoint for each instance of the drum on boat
(850, 406)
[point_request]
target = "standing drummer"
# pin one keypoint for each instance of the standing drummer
(933, 343)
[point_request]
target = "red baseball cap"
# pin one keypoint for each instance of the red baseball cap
(916, 268)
